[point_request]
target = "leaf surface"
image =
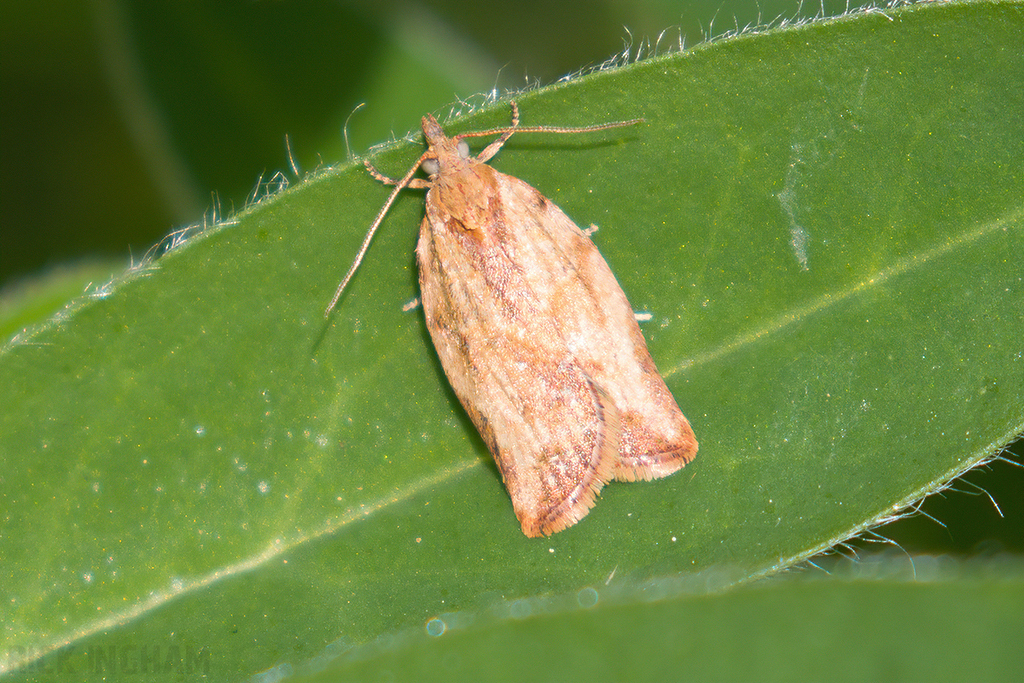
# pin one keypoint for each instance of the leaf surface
(824, 223)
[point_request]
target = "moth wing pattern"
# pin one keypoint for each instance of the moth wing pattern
(542, 348)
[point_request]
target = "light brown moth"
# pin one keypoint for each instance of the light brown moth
(535, 334)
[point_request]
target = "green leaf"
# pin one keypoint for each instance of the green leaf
(886, 621)
(824, 222)
(32, 299)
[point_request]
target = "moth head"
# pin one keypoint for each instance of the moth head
(432, 165)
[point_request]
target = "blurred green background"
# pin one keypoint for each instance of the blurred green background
(122, 120)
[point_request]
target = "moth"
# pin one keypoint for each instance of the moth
(535, 334)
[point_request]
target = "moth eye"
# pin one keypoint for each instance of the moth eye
(431, 166)
(463, 148)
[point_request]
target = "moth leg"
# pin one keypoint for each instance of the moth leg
(415, 183)
(492, 149)
(378, 176)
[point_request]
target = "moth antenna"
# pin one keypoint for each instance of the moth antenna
(485, 155)
(399, 185)
(506, 132)
(551, 129)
